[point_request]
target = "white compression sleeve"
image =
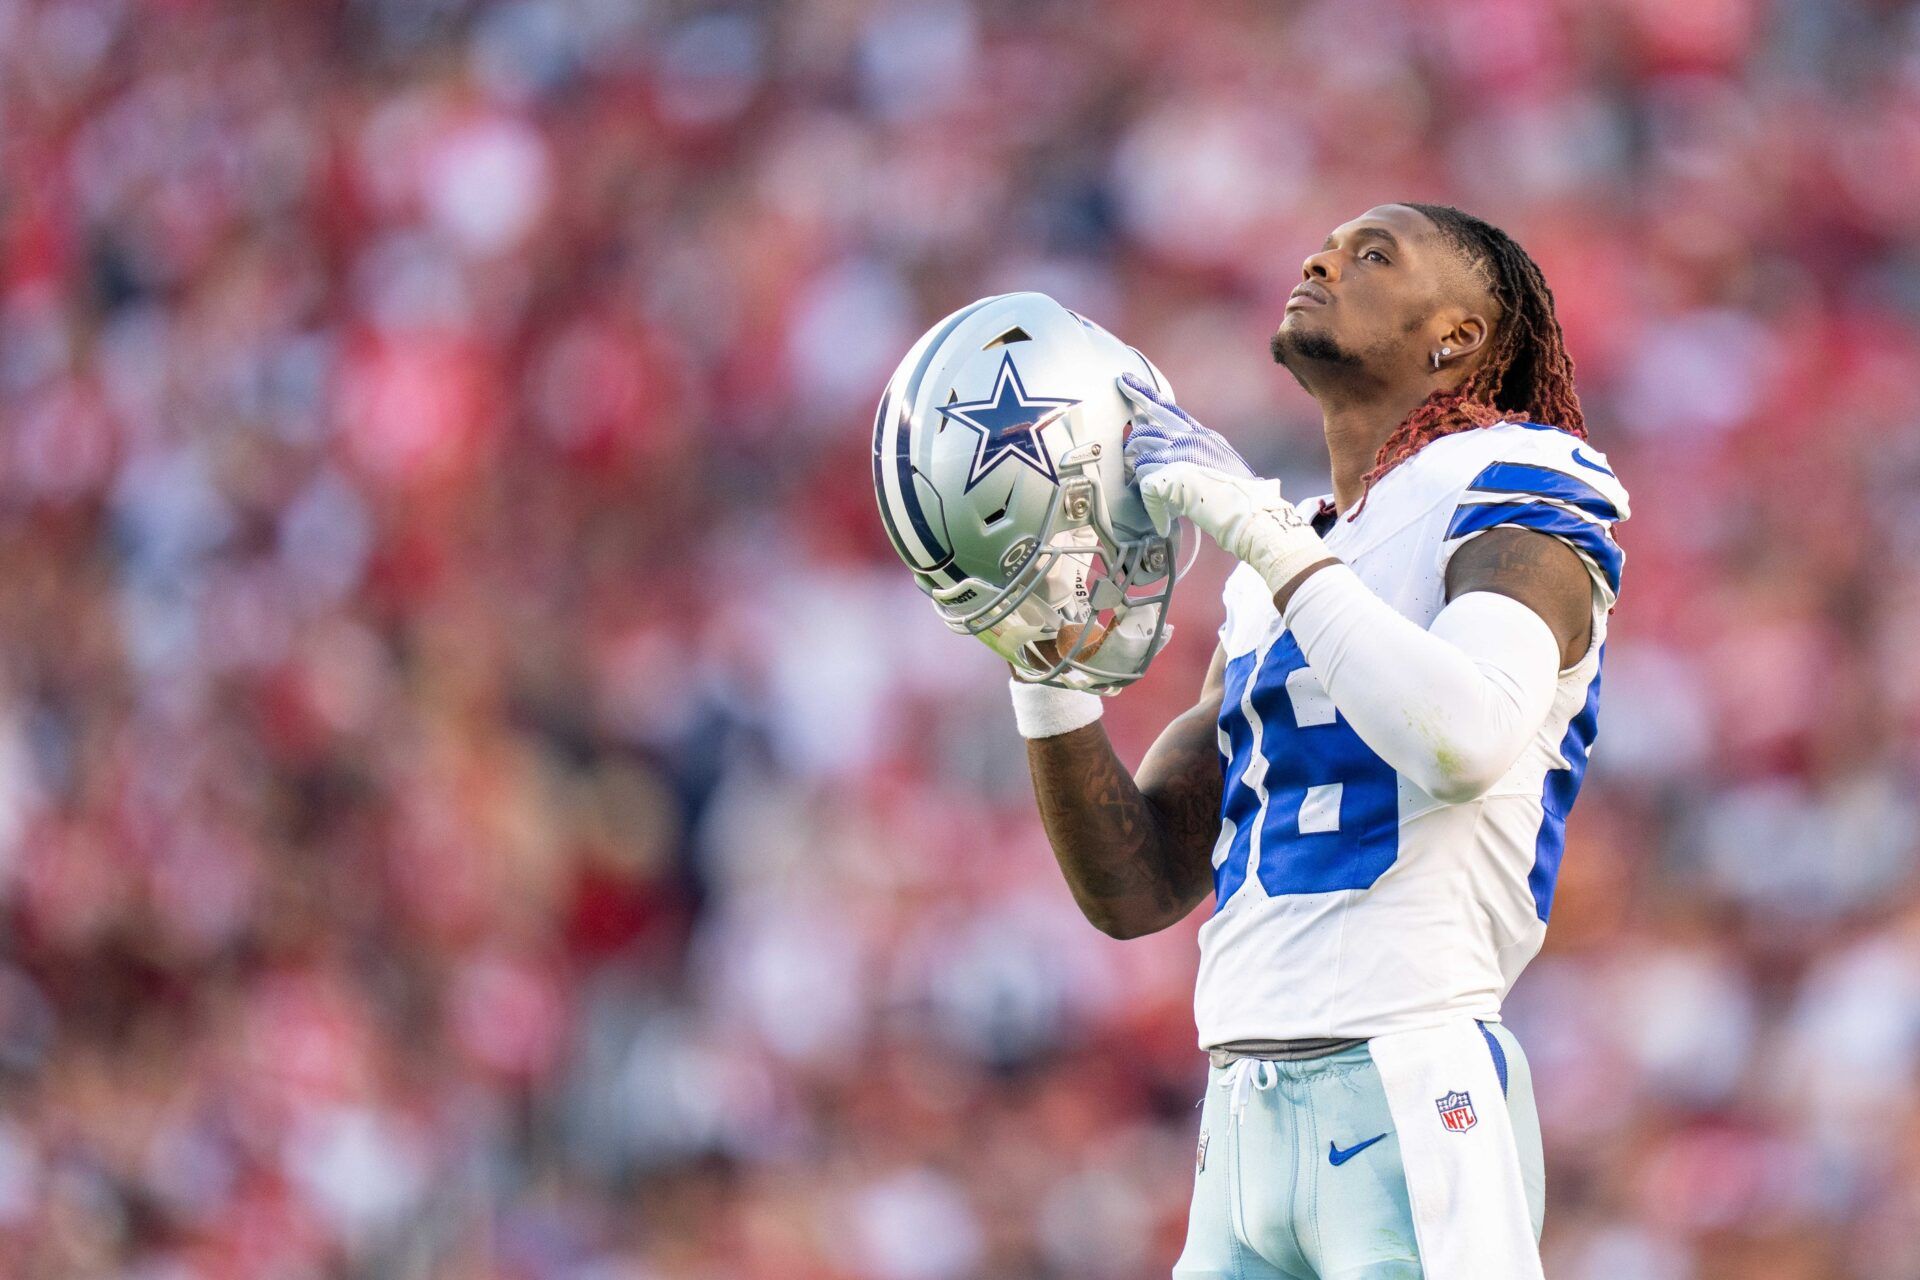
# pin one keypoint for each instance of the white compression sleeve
(1450, 707)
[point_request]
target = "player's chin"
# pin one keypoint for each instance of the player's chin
(1302, 339)
(1294, 328)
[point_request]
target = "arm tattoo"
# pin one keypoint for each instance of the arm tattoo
(1539, 571)
(1137, 855)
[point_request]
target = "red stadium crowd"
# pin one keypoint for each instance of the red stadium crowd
(479, 799)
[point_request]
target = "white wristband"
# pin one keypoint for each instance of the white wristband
(1042, 711)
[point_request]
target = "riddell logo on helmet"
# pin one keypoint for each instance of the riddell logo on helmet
(964, 596)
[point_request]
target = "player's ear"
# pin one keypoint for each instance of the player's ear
(1463, 334)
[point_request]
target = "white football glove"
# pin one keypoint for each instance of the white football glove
(1183, 469)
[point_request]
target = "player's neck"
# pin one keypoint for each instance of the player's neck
(1356, 427)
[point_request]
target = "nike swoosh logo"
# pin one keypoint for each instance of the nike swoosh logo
(1590, 464)
(1336, 1157)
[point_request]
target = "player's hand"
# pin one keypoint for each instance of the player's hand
(1164, 433)
(1183, 469)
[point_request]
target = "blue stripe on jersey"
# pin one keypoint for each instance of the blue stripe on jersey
(1355, 833)
(1239, 804)
(1518, 477)
(1557, 796)
(1583, 535)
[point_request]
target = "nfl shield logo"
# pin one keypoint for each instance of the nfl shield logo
(1456, 1112)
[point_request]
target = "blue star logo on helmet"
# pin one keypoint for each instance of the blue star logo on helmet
(1009, 424)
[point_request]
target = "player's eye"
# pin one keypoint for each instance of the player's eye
(1374, 255)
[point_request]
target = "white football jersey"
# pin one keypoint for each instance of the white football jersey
(1349, 902)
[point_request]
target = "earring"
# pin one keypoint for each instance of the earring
(1444, 351)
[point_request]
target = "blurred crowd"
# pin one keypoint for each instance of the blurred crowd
(479, 799)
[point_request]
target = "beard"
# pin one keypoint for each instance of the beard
(1297, 352)
(1308, 347)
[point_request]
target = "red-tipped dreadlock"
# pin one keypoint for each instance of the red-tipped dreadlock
(1528, 376)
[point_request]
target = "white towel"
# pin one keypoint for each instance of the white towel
(1456, 1143)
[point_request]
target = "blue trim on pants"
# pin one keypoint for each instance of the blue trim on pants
(1499, 1056)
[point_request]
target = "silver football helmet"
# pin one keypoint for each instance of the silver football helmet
(999, 465)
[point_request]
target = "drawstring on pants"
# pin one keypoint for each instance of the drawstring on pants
(1246, 1075)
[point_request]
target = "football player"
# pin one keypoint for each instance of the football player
(1373, 785)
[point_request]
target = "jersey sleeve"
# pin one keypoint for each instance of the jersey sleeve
(1552, 483)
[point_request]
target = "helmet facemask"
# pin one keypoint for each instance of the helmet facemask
(1082, 608)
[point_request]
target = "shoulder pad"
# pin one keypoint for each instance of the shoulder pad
(1513, 459)
(1538, 478)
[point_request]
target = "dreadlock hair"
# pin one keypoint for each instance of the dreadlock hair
(1527, 376)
